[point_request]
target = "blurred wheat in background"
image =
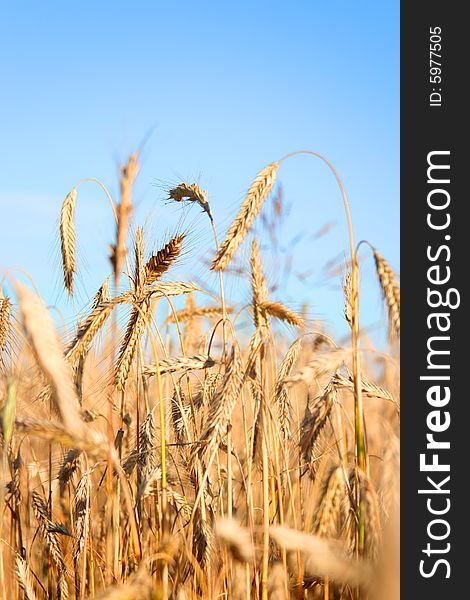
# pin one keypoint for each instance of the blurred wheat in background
(188, 458)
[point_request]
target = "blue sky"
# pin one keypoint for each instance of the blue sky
(223, 90)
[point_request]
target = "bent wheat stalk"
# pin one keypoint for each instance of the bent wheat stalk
(191, 192)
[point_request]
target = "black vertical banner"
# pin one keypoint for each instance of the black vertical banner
(435, 253)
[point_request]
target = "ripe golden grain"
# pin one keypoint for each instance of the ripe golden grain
(257, 194)
(68, 239)
(154, 482)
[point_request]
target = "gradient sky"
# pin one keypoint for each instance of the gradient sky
(223, 89)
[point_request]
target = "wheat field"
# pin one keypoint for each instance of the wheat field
(186, 457)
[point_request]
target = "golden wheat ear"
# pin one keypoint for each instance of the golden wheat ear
(281, 394)
(259, 288)
(127, 176)
(68, 239)
(40, 330)
(51, 540)
(135, 329)
(322, 557)
(314, 421)
(223, 403)
(364, 489)
(283, 313)
(333, 509)
(25, 578)
(139, 264)
(159, 263)
(5, 322)
(87, 330)
(191, 192)
(390, 291)
(250, 208)
(235, 538)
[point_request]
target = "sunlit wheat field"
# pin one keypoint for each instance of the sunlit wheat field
(170, 443)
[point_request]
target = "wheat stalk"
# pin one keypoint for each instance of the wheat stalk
(223, 403)
(139, 586)
(259, 289)
(324, 557)
(88, 330)
(256, 390)
(174, 288)
(390, 290)
(369, 388)
(282, 312)
(82, 515)
(257, 194)
(135, 329)
(236, 538)
(139, 265)
(146, 441)
(102, 295)
(160, 290)
(25, 578)
(348, 300)
(149, 482)
(49, 354)
(191, 192)
(47, 529)
(280, 388)
(68, 239)
(137, 323)
(68, 467)
(203, 395)
(368, 507)
(78, 364)
(91, 442)
(159, 264)
(314, 421)
(180, 411)
(5, 323)
(389, 490)
(331, 513)
(128, 174)
(320, 365)
(148, 470)
(204, 541)
(277, 581)
(188, 314)
(193, 501)
(187, 363)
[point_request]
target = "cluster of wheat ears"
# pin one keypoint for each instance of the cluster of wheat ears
(185, 459)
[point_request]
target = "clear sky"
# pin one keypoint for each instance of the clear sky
(223, 89)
